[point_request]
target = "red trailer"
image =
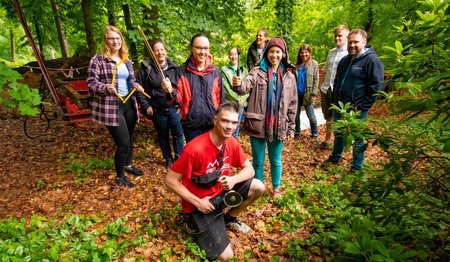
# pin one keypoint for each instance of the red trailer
(73, 95)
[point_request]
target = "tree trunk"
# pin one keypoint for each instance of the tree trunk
(86, 7)
(13, 45)
(150, 17)
(60, 30)
(110, 10)
(370, 21)
(39, 36)
(129, 26)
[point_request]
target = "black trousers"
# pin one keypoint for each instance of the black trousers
(123, 136)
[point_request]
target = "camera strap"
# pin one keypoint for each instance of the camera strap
(220, 155)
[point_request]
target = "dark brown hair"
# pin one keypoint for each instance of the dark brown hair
(299, 58)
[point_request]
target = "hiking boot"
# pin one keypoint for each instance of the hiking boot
(169, 163)
(354, 170)
(238, 226)
(124, 181)
(325, 145)
(134, 171)
(331, 161)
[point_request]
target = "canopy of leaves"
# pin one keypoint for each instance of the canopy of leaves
(229, 23)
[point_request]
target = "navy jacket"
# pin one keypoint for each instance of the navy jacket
(359, 79)
(199, 93)
(150, 79)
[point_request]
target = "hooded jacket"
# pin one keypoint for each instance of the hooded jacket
(358, 79)
(199, 93)
(256, 83)
(150, 79)
(252, 55)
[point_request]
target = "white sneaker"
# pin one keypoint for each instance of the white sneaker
(238, 226)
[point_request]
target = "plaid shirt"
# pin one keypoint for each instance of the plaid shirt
(104, 105)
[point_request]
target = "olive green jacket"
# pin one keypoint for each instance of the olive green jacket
(312, 82)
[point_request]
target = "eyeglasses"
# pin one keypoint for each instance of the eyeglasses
(206, 49)
(113, 38)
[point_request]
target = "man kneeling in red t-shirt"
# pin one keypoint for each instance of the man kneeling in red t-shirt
(192, 177)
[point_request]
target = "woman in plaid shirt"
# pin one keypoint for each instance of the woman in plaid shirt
(111, 82)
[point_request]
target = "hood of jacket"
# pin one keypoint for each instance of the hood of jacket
(285, 63)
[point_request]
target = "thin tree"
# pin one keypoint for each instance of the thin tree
(129, 26)
(60, 30)
(13, 45)
(87, 18)
(150, 17)
(110, 11)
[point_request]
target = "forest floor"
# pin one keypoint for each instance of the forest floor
(35, 180)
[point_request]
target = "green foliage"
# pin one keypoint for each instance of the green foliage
(228, 23)
(40, 240)
(350, 126)
(284, 12)
(17, 95)
(40, 184)
(195, 249)
(351, 225)
(296, 252)
(71, 240)
(82, 165)
(113, 230)
(421, 65)
(166, 252)
(398, 212)
(292, 214)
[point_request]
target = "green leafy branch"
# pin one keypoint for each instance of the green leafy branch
(351, 127)
(17, 95)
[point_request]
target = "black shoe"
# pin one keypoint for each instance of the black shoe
(355, 171)
(124, 181)
(169, 163)
(134, 171)
(331, 161)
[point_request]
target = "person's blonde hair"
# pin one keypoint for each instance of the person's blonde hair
(340, 28)
(106, 51)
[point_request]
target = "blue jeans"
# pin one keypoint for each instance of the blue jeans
(274, 149)
(241, 118)
(191, 133)
(309, 113)
(338, 147)
(169, 122)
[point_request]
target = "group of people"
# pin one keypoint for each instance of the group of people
(204, 105)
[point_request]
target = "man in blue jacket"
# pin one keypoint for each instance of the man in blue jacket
(359, 77)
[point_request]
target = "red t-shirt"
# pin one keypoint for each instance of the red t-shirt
(199, 157)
